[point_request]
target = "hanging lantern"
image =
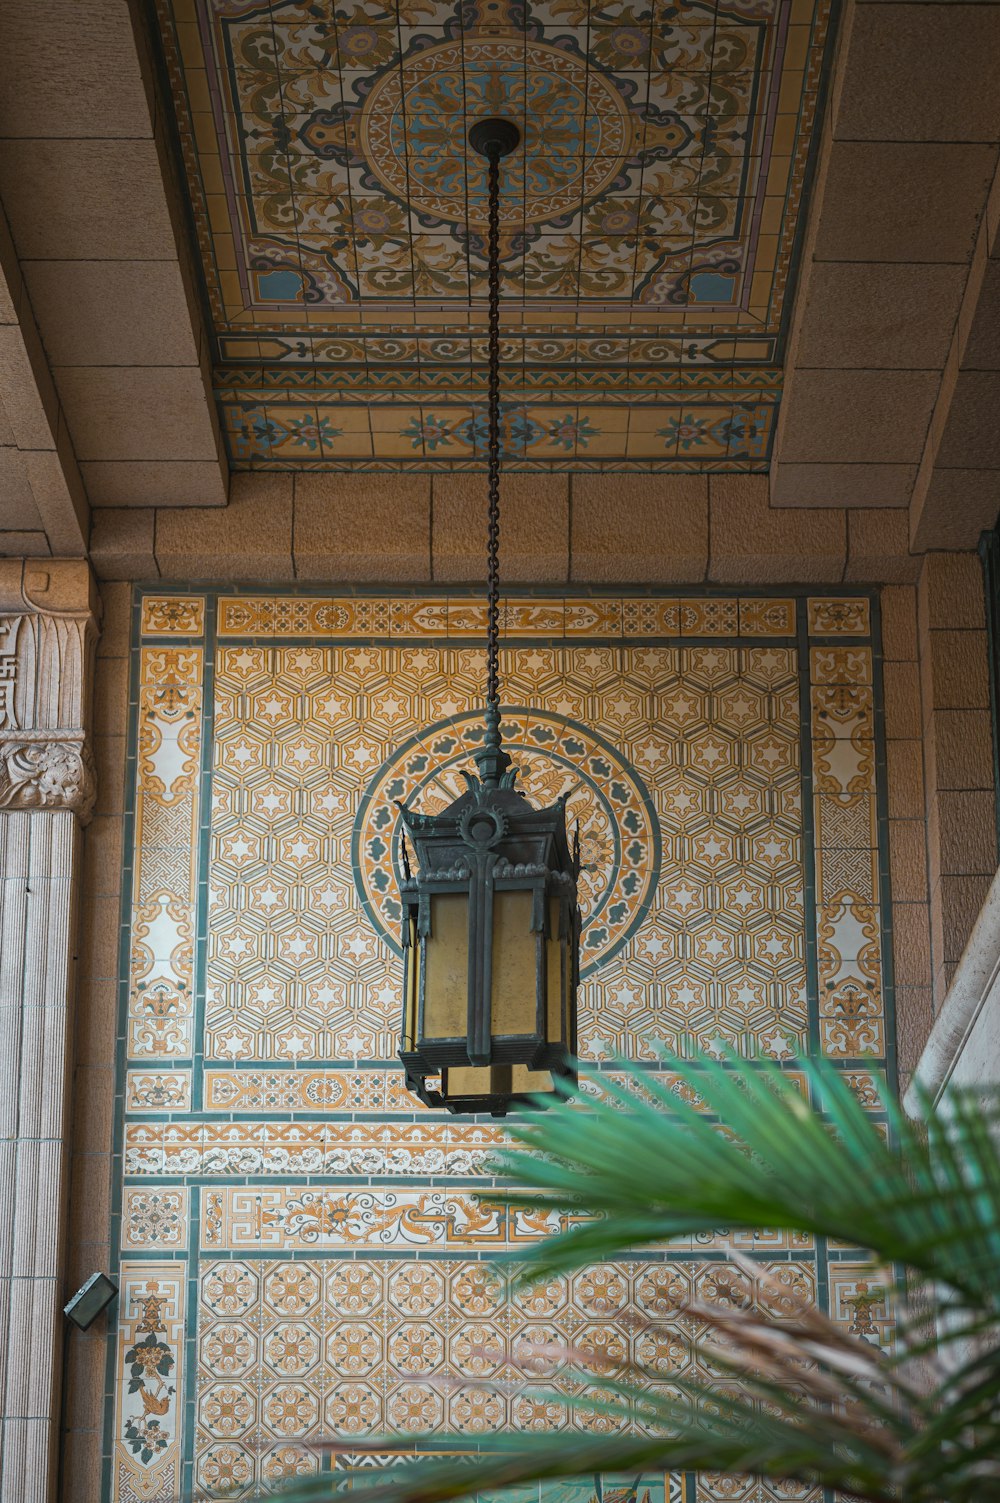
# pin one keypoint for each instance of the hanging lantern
(490, 938)
(491, 926)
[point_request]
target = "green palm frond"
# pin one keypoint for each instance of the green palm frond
(646, 1165)
(795, 1397)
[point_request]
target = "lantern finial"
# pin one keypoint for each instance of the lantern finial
(492, 761)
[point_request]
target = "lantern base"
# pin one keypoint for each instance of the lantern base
(493, 1089)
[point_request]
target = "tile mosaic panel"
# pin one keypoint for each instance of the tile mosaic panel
(173, 616)
(292, 1351)
(428, 1148)
(710, 1487)
(158, 1090)
(155, 1219)
(272, 429)
(350, 617)
(648, 224)
(649, 1487)
(314, 744)
(848, 924)
(285, 1218)
(861, 1304)
(161, 966)
(355, 1091)
(149, 1367)
(722, 756)
(839, 618)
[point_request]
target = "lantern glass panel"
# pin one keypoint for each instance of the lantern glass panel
(570, 979)
(525, 1080)
(554, 977)
(487, 1081)
(446, 974)
(515, 971)
(410, 980)
(473, 1080)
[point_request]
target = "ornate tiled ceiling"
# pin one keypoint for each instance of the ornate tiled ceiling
(649, 224)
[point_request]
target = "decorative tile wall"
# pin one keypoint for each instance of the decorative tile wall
(648, 224)
(303, 1251)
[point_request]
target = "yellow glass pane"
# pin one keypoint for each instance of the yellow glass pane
(524, 1080)
(412, 962)
(494, 1080)
(475, 1080)
(553, 979)
(514, 965)
(446, 978)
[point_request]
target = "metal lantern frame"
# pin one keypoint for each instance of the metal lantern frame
(508, 871)
(491, 924)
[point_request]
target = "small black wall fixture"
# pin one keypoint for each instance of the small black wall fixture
(90, 1300)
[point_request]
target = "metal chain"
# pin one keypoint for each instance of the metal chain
(493, 439)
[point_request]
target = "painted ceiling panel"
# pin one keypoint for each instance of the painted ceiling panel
(649, 224)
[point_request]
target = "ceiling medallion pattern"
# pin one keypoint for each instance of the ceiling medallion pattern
(578, 127)
(648, 225)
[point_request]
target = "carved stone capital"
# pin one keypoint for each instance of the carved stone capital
(46, 773)
(48, 632)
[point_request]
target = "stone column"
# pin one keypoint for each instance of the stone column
(47, 637)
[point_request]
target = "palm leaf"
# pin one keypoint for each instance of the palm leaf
(650, 1167)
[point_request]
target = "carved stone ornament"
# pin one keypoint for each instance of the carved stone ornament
(47, 775)
(47, 639)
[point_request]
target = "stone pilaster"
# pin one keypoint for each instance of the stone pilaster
(47, 636)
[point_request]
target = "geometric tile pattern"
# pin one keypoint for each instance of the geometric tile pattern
(313, 745)
(648, 223)
(293, 1351)
(304, 1251)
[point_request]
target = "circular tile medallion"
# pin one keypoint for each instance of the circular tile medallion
(619, 834)
(576, 126)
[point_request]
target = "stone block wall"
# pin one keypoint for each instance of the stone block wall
(557, 529)
(94, 1061)
(958, 740)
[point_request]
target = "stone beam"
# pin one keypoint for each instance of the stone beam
(43, 505)
(957, 490)
(88, 181)
(597, 529)
(907, 159)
